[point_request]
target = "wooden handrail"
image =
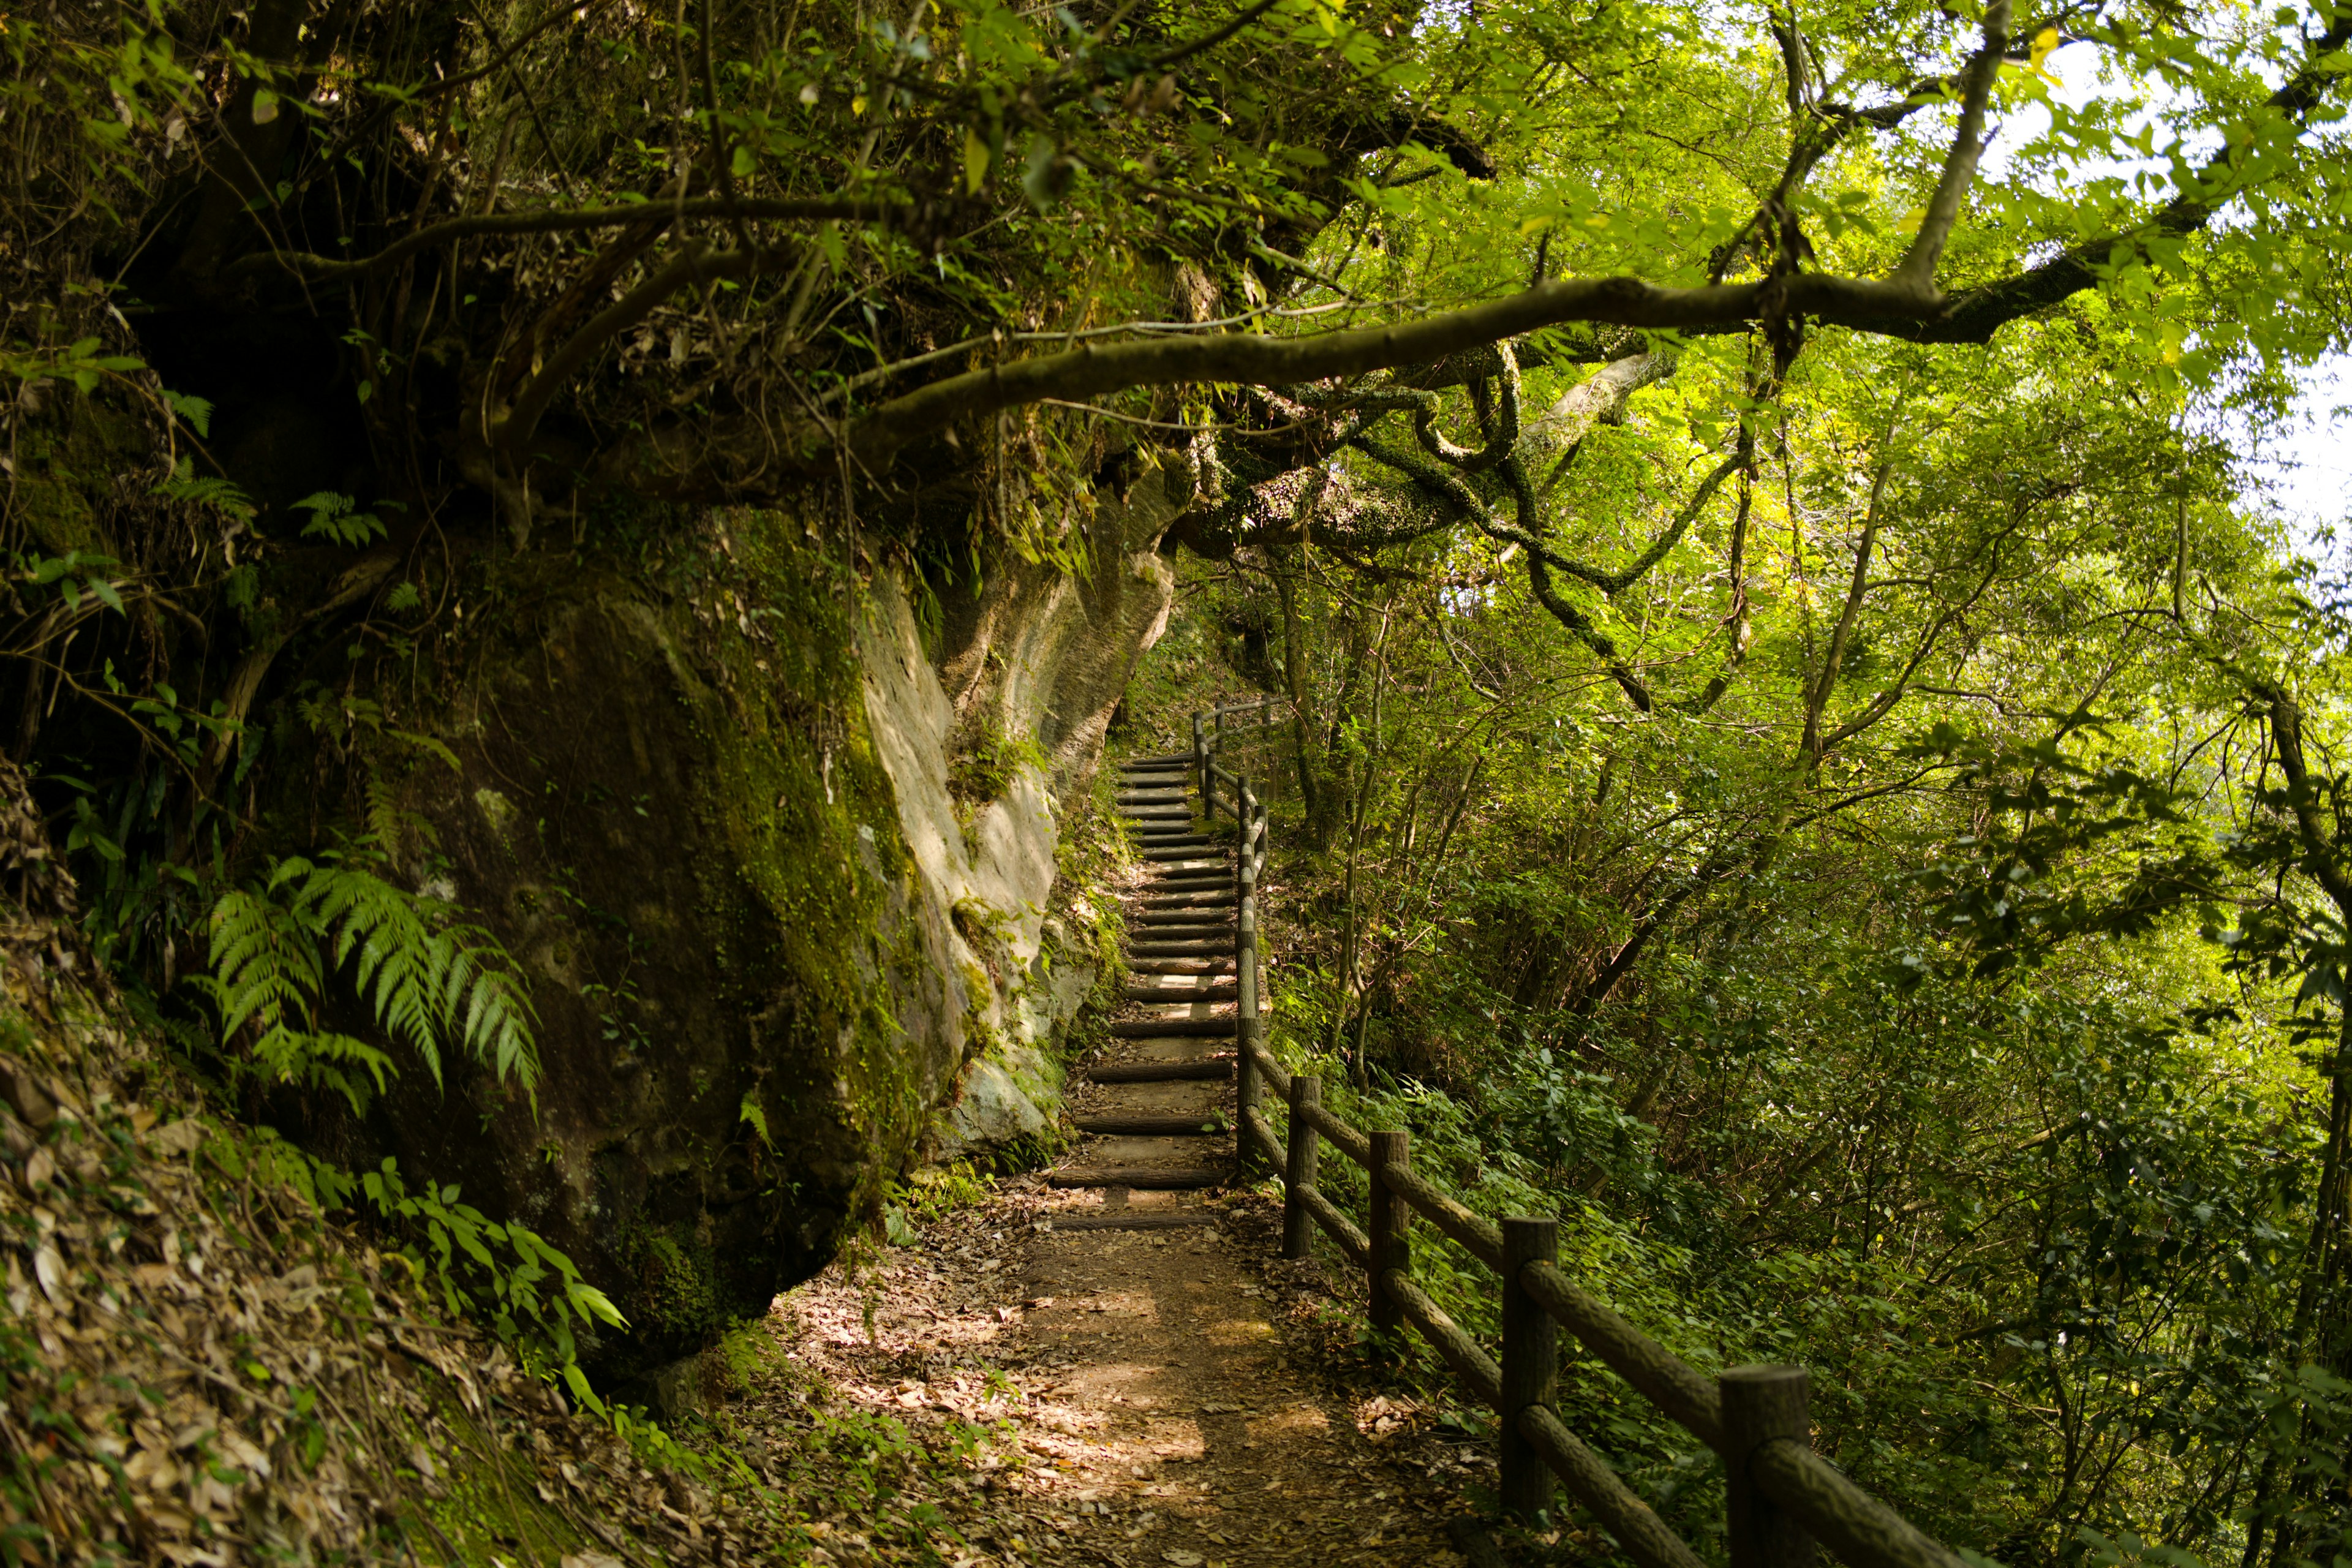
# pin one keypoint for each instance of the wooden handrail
(1784, 1495)
(1645, 1536)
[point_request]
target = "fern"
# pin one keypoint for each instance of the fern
(431, 982)
(335, 517)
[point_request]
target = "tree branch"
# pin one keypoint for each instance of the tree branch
(1917, 268)
(1500, 441)
(1974, 316)
(320, 269)
(1253, 359)
(513, 431)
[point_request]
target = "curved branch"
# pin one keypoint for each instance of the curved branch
(1541, 558)
(1500, 441)
(320, 269)
(514, 430)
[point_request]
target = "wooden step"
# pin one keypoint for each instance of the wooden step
(1191, 947)
(1205, 1070)
(1133, 1219)
(1168, 1028)
(1160, 760)
(1180, 966)
(1155, 1123)
(1206, 879)
(1163, 1179)
(1207, 899)
(1148, 794)
(1217, 991)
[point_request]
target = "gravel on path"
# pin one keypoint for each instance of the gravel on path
(1164, 1398)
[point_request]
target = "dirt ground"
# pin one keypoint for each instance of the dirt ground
(1175, 1397)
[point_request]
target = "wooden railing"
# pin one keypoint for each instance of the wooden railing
(1782, 1497)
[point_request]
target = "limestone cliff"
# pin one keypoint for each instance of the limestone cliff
(781, 852)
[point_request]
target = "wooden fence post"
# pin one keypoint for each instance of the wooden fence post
(1201, 767)
(1247, 1092)
(1392, 1244)
(1530, 1363)
(1243, 872)
(1762, 1404)
(1298, 1174)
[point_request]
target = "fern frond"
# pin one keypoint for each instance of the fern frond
(264, 964)
(431, 986)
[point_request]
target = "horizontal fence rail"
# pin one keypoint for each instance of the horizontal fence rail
(1783, 1497)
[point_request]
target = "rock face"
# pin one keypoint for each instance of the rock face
(783, 874)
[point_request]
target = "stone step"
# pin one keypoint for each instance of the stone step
(1164, 1028)
(1154, 1123)
(1172, 1179)
(1201, 1070)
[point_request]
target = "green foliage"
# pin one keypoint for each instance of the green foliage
(191, 489)
(530, 1293)
(430, 982)
(982, 769)
(335, 517)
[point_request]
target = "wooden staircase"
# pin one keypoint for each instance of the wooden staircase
(1157, 1106)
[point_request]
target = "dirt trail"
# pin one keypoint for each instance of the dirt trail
(1166, 1391)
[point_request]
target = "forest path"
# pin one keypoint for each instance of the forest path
(1166, 1394)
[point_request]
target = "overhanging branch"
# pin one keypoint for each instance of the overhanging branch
(794, 209)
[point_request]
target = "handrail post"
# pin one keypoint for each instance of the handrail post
(1246, 1089)
(1201, 768)
(1530, 1363)
(1298, 1172)
(1762, 1404)
(1244, 873)
(1391, 1215)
